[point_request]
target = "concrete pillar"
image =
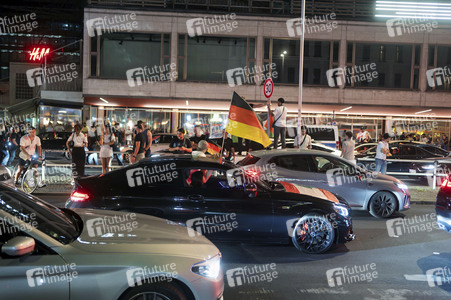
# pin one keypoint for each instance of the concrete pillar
(174, 47)
(422, 80)
(342, 60)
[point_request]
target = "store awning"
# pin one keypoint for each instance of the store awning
(310, 108)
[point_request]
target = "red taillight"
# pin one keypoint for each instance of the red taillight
(79, 196)
(446, 182)
(252, 173)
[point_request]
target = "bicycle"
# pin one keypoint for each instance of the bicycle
(28, 180)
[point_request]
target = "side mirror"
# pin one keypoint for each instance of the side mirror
(18, 246)
(250, 189)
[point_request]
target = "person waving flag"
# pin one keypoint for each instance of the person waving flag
(243, 122)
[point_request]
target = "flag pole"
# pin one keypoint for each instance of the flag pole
(222, 146)
(301, 71)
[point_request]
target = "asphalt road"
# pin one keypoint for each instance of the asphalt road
(373, 266)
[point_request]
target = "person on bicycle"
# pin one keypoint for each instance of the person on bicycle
(28, 145)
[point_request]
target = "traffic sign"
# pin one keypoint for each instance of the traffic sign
(268, 88)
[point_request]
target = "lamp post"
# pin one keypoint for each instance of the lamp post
(301, 70)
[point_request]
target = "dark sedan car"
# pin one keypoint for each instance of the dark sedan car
(408, 157)
(224, 203)
(55, 141)
(443, 205)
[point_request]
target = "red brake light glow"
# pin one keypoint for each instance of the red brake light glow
(446, 182)
(78, 196)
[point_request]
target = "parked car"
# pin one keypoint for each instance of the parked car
(443, 205)
(55, 141)
(110, 262)
(408, 157)
(261, 209)
(380, 194)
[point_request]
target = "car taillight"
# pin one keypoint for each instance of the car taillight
(77, 196)
(446, 182)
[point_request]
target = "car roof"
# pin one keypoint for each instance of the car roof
(262, 153)
(185, 160)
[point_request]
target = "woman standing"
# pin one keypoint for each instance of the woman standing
(106, 152)
(78, 151)
(13, 144)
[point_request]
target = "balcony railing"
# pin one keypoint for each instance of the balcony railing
(344, 9)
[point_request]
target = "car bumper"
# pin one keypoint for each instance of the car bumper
(208, 289)
(443, 218)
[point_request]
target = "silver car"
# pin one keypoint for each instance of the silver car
(380, 194)
(52, 253)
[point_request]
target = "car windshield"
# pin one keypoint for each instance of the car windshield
(61, 225)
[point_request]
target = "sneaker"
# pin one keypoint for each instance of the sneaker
(40, 185)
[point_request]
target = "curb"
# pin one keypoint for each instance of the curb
(423, 202)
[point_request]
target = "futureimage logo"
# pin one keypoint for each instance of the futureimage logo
(347, 275)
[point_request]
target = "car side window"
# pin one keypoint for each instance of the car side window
(407, 150)
(154, 175)
(206, 178)
(325, 163)
(299, 163)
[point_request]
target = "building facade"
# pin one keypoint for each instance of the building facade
(129, 56)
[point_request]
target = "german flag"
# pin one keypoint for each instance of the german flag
(243, 122)
(213, 148)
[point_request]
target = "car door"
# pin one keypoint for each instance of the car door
(293, 168)
(30, 276)
(407, 153)
(340, 177)
(231, 213)
(153, 189)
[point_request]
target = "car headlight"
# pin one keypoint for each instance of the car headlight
(402, 186)
(209, 268)
(341, 210)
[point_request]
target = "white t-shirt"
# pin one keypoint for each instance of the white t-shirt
(348, 148)
(280, 114)
(380, 146)
(307, 144)
(128, 135)
(30, 146)
(78, 139)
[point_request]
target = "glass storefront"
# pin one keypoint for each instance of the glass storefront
(52, 118)
(158, 120)
(211, 123)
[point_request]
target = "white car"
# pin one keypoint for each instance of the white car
(52, 253)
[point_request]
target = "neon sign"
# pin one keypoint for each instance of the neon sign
(38, 53)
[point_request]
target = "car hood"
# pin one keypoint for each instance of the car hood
(383, 177)
(111, 231)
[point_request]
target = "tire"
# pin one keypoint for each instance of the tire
(382, 205)
(313, 234)
(67, 155)
(30, 181)
(158, 291)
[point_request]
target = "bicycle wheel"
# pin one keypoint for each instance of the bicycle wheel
(30, 181)
(15, 170)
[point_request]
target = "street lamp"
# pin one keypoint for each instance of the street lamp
(283, 62)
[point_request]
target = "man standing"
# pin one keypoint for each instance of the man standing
(180, 144)
(28, 145)
(138, 145)
(198, 136)
(306, 142)
(381, 154)
(280, 121)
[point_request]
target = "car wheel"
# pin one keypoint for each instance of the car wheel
(382, 205)
(313, 234)
(67, 155)
(160, 291)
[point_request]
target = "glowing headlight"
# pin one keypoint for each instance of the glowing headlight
(341, 210)
(209, 268)
(34, 156)
(402, 186)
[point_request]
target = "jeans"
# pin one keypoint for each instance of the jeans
(5, 159)
(279, 131)
(12, 154)
(381, 166)
(92, 159)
